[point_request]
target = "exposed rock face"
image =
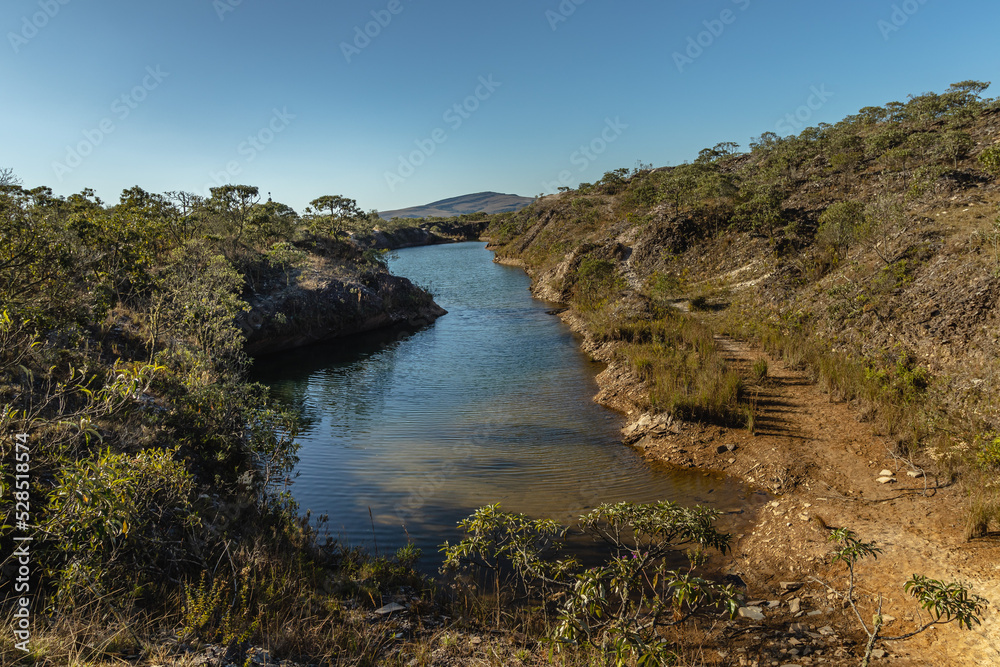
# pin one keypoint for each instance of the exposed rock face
(326, 306)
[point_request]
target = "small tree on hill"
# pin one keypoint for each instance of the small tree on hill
(990, 159)
(234, 204)
(339, 210)
(945, 602)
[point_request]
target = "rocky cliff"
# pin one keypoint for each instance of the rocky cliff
(328, 300)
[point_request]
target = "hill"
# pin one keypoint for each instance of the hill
(803, 316)
(481, 202)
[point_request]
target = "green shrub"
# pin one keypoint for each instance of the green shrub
(990, 159)
(988, 456)
(840, 225)
(617, 607)
(597, 280)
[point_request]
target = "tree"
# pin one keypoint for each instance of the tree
(39, 256)
(990, 159)
(234, 203)
(955, 145)
(199, 298)
(185, 220)
(8, 177)
(945, 602)
(341, 209)
(761, 211)
(840, 224)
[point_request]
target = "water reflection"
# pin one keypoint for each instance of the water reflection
(491, 404)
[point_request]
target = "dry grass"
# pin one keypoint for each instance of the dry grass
(982, 512)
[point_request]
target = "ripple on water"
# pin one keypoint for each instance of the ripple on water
(490, 404)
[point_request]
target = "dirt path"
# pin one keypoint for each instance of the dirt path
(823, 464)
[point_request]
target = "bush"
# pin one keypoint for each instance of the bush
(618, 607)
(840, 225)
(990, 159)
(597, 280)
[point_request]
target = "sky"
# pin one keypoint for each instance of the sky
(398, 103)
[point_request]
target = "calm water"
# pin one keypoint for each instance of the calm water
(493, 403)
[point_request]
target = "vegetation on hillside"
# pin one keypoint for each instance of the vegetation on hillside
(151, 475)
(158, 473)
(817, 247)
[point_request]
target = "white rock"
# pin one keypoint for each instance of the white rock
(753, 613)
(914, 474)
(886, 480)
(887, 473)
(390, 608)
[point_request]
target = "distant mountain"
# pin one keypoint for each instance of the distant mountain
(481, 202)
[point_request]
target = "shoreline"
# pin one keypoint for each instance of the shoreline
(821, 463)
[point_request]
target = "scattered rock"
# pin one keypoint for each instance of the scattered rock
(753, 613)
(886, 480)
(878, 653)
(798, 628)
(826, 631)
(790, 586)
(887, 473)
(915, 474)
(794, 605)
(815, 612)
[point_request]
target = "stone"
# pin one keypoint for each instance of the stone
(790, 586)
(887, 473)
(752, 613)
(886, 480)
(798, 628)
(390, 608)
(815, 612)
(826, 631)
(878, 653)
(915, 474)
(794, 605)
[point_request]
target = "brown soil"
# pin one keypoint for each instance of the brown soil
(822, 461)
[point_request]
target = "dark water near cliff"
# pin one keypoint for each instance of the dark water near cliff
(490, 404)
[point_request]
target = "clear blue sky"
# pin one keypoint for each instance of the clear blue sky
(200, 77)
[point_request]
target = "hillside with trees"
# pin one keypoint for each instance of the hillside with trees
(816, 316)
(155, 475)
(803, 315)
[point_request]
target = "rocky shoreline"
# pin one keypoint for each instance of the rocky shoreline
(824, 467)
(325, 303)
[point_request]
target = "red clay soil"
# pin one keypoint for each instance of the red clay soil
(823, 462)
